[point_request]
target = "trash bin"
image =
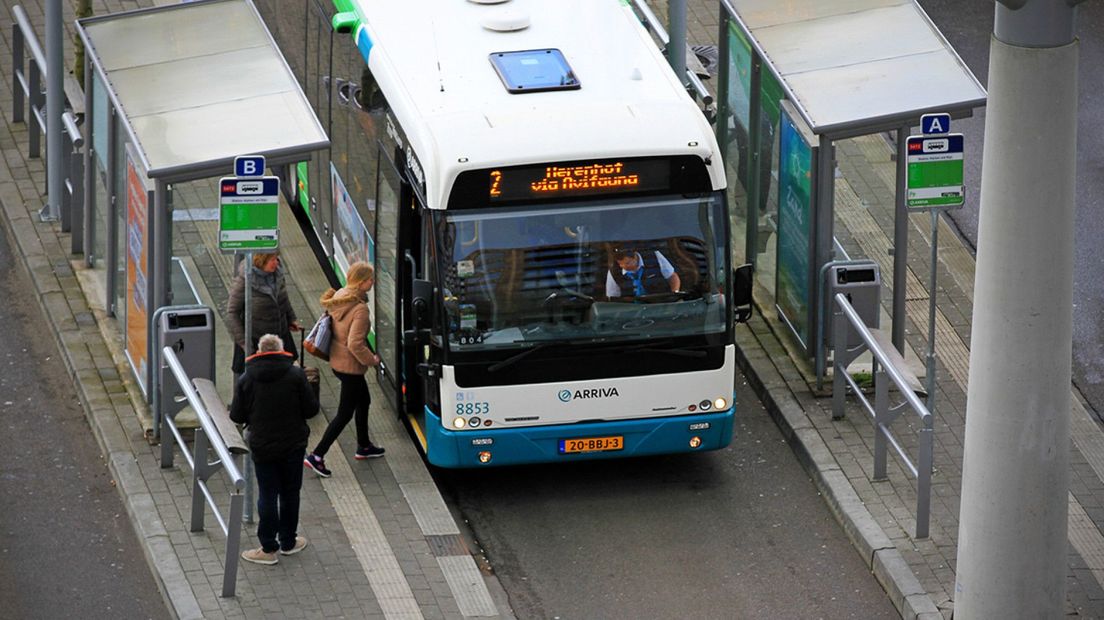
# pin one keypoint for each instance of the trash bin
(861, 283)
(190, 331)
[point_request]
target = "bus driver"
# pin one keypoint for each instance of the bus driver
(639, 274)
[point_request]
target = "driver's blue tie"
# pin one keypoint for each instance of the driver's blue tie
(637, 278)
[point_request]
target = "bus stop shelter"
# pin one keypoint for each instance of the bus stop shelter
(844, 69)
(175, 93)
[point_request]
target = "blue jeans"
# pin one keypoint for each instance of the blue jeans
(278, 484)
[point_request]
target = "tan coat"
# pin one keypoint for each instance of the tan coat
(351, 321)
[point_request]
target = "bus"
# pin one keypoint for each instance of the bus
(544, 207)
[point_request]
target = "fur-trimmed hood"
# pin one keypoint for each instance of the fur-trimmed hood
(340, 302)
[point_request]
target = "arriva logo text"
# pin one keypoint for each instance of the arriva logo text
(568, 395)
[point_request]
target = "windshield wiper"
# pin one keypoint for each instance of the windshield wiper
(513, 359)
(653, 347)
(681, 352)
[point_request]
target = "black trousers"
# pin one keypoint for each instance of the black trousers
(354, 401)
(278, 484)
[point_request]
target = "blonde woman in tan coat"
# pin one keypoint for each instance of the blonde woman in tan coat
(350, 358)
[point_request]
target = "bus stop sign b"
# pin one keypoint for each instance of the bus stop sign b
(249, 209)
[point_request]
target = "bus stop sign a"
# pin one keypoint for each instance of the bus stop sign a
(935, 172)
(249, 210)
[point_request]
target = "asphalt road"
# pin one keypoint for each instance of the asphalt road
(968, 27)
(737, 533)
(67, 547)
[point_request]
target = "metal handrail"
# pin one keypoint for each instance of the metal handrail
(881, 412)
(653, 25)
(207, 438)
(28, 85)
(69, 124)
(27, 89)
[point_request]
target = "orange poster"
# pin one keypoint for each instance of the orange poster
(137, 287)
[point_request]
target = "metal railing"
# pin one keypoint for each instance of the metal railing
(28, 93)
(72, 199)
(881, 411)
(654, 26)
(27, 81)
(207, 438)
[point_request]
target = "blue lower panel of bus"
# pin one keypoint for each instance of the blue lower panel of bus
(572, 442)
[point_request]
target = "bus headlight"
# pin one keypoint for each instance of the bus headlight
(720, 404)
(474, 422)
(695, 442)
(485, 457)
(705, 405)
(458, 423)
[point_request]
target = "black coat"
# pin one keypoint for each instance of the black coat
(275, 400)
(272, 311)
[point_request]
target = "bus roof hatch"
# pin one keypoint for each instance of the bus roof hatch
(531, 71)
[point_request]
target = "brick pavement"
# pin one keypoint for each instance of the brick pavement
(879, 516)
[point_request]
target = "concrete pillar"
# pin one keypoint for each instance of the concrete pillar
(1012, 549)
(676, 46)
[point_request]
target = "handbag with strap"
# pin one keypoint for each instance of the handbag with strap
(317, 342)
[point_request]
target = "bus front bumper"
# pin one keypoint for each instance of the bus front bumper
(545, 444)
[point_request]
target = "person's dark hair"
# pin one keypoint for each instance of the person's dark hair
(619, 253)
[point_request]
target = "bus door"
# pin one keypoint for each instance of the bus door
(423, 335)
(390, 196)
(413, 269)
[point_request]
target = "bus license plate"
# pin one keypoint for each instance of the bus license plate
(591, 444)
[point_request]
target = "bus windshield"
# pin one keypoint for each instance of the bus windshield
(583, 272)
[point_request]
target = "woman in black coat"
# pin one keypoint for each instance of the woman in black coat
(272, 312)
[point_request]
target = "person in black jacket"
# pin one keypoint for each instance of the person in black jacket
(274, 399)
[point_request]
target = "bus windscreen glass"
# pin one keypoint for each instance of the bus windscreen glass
(584, 272)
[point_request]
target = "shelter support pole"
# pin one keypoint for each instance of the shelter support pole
(162, 246)
(1012, 552)
(823, 248)
(754, 160)
(900, 243)
(89, 212)
(55, 99)
(116, 201)
(160, 250)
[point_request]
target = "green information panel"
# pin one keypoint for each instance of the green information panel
(249, 209)
(935, 179)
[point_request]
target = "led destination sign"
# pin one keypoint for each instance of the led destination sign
(583, 179)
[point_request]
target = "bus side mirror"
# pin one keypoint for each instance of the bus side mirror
(422, 301)
(742, 279)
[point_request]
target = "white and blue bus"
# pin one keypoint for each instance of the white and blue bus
(544, 206)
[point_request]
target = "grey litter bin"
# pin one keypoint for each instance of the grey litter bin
(862, 285)
(190, 331)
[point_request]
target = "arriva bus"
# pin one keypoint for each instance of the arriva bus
(544, 206)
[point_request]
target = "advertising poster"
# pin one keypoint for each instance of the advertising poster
(739, 72)
(137, 267)
(351, 240)
(795, 184)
